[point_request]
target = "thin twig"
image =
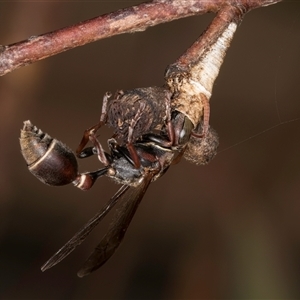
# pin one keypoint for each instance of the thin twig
(192, 76)
(135, 18)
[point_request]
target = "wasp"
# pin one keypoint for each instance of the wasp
(155, 150)
(55, 164)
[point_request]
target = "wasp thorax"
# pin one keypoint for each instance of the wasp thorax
(48, 159)
(143, 109)
(201, 150)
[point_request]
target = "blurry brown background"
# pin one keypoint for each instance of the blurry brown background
(227, 230)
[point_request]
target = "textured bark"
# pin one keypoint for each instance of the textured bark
(132, 19)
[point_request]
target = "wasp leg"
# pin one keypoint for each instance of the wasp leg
(99, 150)
(206, 115)
(130, 146)
(92, 130)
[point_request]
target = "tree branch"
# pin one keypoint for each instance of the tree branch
(132, 19)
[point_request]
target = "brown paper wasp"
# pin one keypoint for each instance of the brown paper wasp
(146, 151)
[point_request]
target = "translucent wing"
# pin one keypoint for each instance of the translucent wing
(80, 236)
(113, 238)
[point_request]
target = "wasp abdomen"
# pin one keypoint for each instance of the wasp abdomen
(47, 159)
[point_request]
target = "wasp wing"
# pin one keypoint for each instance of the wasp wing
(113, 238)
(80, 236)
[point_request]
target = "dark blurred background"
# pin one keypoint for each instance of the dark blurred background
(227, 230)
